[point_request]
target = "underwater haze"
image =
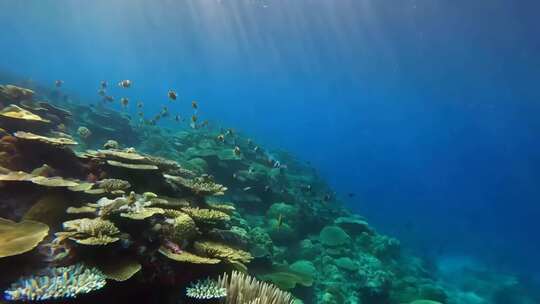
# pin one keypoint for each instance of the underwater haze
(422, 115)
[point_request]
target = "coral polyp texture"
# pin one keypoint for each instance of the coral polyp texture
(56, 283)
(205, 290)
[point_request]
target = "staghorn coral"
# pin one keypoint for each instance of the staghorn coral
(206, 290)
(87, 231)
(222, 252)
(17, 238)
(244, 289)
(57, 283)
(208, 216)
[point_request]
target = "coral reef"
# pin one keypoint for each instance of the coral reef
(177, 207)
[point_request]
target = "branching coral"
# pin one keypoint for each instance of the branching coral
(57, 283)
(244, 289)
(206, 290)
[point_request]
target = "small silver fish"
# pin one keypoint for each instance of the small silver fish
(58, 83)
(246, 189)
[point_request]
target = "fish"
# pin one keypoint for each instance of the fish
(351, 194)
(193, 118)
(173, 247)
(172, 95)
(58, 83)
(177, 118)
(141, 114)
(221, 137)
(124, 102)
(266, 188)
(234, 176)
(108, 98)
(194, 105)
(256, 148)
(139, 104)
(103, 84)
(246, 188)
(125, 84)
(237, 151)
(164, 112)
(102, 92)
(229, 132)
(205, 123)
(279, 221)
(327, 197)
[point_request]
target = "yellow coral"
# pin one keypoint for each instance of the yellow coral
(16, 112)
(17, 238)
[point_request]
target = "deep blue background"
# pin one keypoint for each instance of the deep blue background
(428, 110)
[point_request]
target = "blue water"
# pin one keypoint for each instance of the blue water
(427, 110)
